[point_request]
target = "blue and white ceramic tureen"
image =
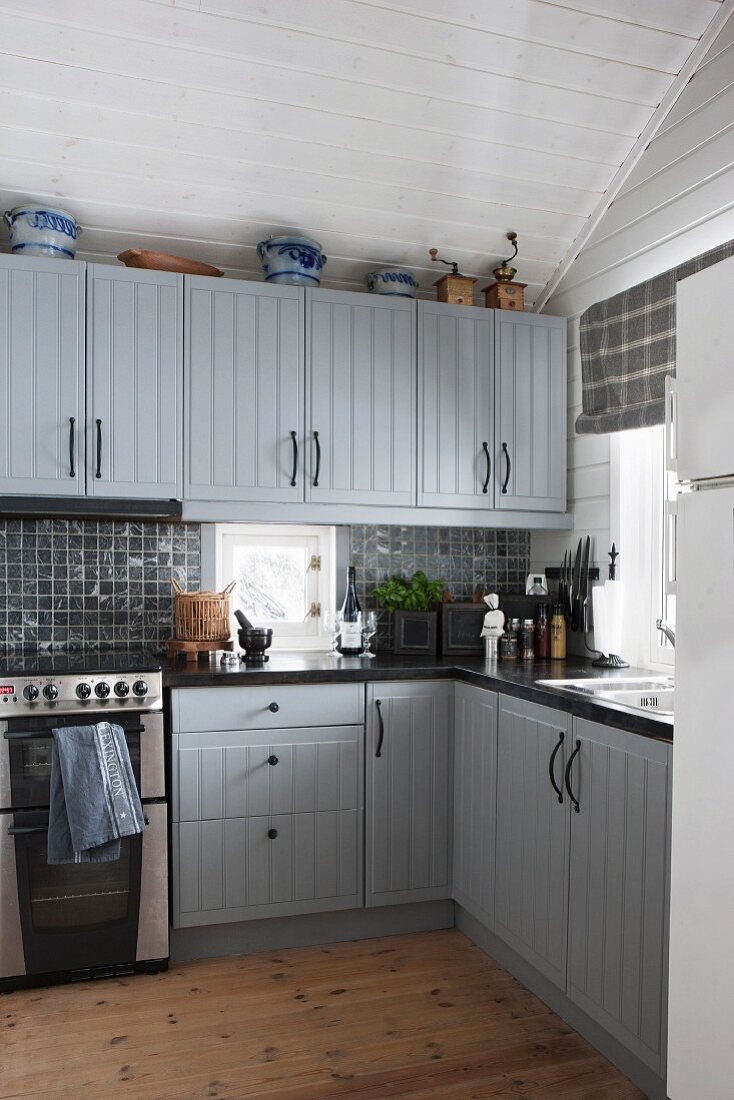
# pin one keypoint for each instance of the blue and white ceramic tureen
(295, 260)
(40, 230)
(392, 280)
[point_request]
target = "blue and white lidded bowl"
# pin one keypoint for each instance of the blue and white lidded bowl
(392, 280)
(39, 230)
(297, 261)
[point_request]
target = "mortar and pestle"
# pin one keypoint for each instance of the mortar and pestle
(253, 639)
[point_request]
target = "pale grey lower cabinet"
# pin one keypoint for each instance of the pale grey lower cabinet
(617, 936)
(475, 800)
(409, 768)
(531, 875)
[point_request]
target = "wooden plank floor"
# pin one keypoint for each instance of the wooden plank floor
(423, 1017)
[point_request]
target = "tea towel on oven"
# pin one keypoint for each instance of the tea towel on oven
(94, 799)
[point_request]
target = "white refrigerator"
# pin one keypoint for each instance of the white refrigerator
(701, 997)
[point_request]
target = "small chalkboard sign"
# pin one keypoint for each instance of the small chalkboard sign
(461, 628)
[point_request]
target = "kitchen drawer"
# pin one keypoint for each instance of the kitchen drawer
(254, 773)
(265, 707)
(236, 869)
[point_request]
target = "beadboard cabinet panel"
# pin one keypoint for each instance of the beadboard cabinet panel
(134, 383)
(361, 414)
(619, 885)
(245, 387)
(530, 411)
(42, 376)
(475, 800)
(456, 417)
(409, 787)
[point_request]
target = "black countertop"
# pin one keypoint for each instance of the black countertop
(518, 678)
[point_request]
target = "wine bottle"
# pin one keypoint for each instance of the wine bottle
(351, 632)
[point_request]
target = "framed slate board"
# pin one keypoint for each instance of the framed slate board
(461, 628)
(415, 632)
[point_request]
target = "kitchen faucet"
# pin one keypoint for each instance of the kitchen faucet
(666, 630)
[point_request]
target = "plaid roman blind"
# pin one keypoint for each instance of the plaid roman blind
(627, 349)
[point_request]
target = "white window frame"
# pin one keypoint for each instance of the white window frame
(320, 541)
(641, 490)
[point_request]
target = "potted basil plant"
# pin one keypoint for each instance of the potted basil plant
(413, 604)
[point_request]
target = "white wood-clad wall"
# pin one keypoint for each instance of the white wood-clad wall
(381, 127)
(677, 202)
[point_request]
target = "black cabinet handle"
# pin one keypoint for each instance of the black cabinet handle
(318, 459)
(572, 757)
(485, 486)
(274, 708)
(272, 760)
(506, 482)
(381, 723)
(294, 441)
(552, 764)
(99, 449)
(272, 833)
(72, 448)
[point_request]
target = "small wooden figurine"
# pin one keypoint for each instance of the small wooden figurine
(506, 294)
(454, 287)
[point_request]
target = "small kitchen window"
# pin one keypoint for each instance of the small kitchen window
(284, 577)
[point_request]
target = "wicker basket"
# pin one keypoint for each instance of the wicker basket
(201, 616)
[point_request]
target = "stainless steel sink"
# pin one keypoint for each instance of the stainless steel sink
(651, 693)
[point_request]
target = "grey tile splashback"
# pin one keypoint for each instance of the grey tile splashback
(90, 584)
(463, 557)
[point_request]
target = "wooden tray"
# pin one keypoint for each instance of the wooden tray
(165, 261)
(195, 651)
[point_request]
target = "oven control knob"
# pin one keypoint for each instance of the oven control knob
(102, 690)
(50, 692)
(140, 688)
(83, 691)
(121, 689)
(30, 692)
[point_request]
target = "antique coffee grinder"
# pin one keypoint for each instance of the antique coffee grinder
(505, 293)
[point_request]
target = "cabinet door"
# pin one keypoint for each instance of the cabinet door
(135, 382)
(475, 799)
(456, 418)
(531, 874)
(408, 792)
(244, 391)
(41, 376)
(361, 402)
(619, 885)
(530, 411)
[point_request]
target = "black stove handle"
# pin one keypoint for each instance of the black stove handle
(26, 830)
(25, 735)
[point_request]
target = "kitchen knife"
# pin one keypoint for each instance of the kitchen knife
(576, 589)
(562, 582)
(584, 593)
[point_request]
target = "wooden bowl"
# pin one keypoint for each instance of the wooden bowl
(164, 261)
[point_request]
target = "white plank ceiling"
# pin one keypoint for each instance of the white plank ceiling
(381, 127)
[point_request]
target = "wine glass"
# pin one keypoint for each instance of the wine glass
(333, 626)
(369, 629)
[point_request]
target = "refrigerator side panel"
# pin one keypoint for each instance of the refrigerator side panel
(705, 373)
(701, 1000)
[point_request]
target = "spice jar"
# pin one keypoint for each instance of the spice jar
(510, 643)
(542, 634)
(558, 634)
(527, 640)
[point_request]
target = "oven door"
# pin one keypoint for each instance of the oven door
(25, 755)
(81, 916)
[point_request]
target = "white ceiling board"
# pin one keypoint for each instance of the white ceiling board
(382, 128)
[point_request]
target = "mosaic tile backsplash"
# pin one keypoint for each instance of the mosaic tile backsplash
(91, 584)
(463, 557)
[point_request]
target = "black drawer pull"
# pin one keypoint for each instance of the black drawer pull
(506, 482)
(485, 486)
(294, 442)
(318, 459)
(98, 473)
(571, 795)
(551, 766)
(272, 760)
(72, 448)
(274, 708)
(381, 721)
(272, 833)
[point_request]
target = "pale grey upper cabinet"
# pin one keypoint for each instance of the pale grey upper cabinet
(244, 391)
(360, 419)
(41, 376)
(409, 783)
(456, 417)
(617, 937)
(530, 412)
(531, 874)
(475, 799)
(134, 382)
